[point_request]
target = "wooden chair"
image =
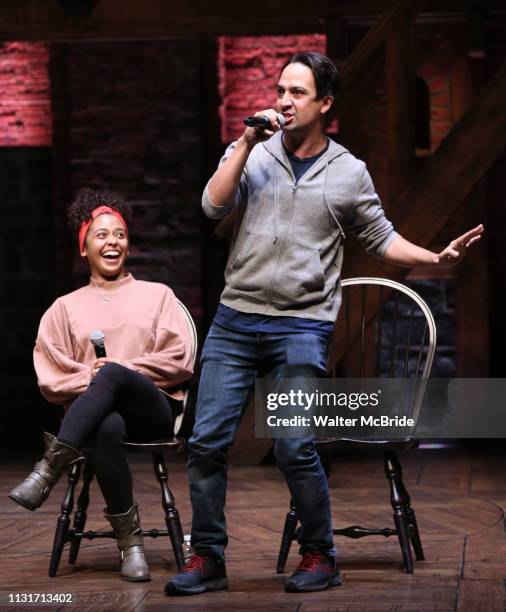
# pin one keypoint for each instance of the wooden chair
(74, 535)
(396, 339)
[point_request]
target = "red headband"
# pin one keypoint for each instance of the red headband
(101, 210)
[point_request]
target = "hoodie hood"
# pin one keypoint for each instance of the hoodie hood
(276, 148)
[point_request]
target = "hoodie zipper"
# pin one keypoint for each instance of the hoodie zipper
(281, 250)
(294, 188)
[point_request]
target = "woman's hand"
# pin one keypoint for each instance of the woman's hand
(100, 363)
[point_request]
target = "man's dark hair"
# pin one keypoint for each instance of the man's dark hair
(89, 199)
(325, 73)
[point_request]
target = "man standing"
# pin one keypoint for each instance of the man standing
(294, 190)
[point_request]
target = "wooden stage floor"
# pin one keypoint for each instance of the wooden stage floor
(459, 500)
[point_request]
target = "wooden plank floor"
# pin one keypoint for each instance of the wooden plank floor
(458, 500)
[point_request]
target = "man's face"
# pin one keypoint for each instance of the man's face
(296, 99)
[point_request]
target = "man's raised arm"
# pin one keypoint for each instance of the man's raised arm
(224, 184)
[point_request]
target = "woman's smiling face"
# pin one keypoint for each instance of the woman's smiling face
(106, 247)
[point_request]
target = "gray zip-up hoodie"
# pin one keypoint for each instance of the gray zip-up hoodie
(286, 255)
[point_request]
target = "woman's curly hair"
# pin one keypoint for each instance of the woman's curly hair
(89, 199)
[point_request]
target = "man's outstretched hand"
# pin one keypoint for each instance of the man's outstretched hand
(457, 249)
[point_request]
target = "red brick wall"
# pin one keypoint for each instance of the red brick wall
(126, 117)
(25, 109)
(249, 68)
(131, 115)
(26, 231)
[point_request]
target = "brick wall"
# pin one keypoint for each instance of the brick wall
(126, 117)
(26, 232)
(249, 68)
(132, 125)
(25, 110)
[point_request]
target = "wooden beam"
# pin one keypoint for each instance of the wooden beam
(400, 80)
(460, 161)
(472, 288)
(120, 19)
(129, 19)
(364, 54)
(337, 39)
(472, 293)
(355, 65)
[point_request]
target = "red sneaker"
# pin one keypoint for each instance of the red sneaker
(200, 574)
(315, 572)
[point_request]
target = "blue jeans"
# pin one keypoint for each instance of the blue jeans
(230, 363)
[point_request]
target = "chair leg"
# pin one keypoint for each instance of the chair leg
(80, 514)
(415, 534)
(399, 500)
(287, 538)
(63, 523)
(171, 514)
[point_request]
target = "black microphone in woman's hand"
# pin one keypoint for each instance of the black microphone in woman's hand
(97, 339)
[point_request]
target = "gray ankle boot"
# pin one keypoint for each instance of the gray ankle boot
(34, 490)
(134, 567)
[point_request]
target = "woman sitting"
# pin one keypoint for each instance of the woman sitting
(122, 395)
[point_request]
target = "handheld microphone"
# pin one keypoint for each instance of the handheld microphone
(264, 122)
(97, 339)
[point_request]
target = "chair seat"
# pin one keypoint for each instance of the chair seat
(172, 444)
(363, 445)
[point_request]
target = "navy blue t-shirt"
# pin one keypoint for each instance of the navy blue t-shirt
(300, 165)
(267, 324)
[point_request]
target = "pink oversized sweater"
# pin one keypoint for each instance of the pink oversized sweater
(143, 326)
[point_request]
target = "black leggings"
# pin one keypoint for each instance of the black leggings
(118, 404)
